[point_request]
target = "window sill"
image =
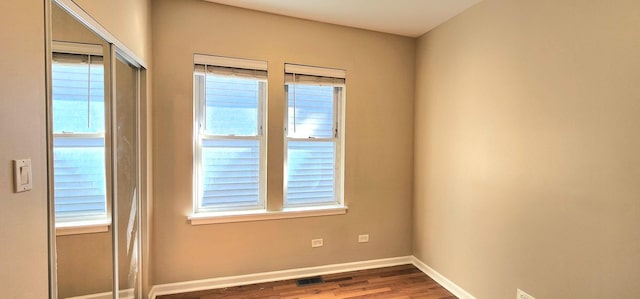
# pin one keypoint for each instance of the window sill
(82, 227)
(259, 215)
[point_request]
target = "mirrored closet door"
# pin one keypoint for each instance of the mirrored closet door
(127, 174)
(94, 168)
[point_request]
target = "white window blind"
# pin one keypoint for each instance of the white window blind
(78, 137)
(229, 107)
(312, 170)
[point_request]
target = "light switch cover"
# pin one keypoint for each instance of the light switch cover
(22, 175)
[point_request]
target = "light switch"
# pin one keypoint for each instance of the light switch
(22, 175)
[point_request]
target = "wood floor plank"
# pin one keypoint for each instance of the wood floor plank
(399, 282)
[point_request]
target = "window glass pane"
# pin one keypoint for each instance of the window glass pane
(230, 173)
(79, 177)
(311, 109)
(232, 105)
(78, 102)
(311, 173)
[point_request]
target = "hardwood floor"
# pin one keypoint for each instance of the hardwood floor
(404, 281)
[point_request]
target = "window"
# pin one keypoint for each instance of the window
(229, 158)
(230, 100)
(313, 168)
(79, 157)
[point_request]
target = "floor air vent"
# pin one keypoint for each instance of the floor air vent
(309, 280)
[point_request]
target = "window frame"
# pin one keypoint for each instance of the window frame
(339, 99)
(199, 133)
(273, 208)
(96, 223)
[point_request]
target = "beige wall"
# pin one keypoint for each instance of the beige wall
(527, 149)
(526, 144)
(84, 264)
(129, 21)
(379, 132)
(23, 216)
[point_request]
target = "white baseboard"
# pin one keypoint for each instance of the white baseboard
(231, 281)
(123, 294)
(443, 281)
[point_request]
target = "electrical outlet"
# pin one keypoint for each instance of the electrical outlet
(317, 243)
(522, 295)
(363, 238)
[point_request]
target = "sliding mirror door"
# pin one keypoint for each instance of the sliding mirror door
(80, 109)
(127, 174)
(94, 154)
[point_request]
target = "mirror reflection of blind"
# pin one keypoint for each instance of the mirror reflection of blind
(79, 146)
(78, 93)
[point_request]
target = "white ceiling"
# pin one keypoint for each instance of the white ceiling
(403, 17)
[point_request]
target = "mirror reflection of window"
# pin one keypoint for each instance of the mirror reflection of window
(79, 135)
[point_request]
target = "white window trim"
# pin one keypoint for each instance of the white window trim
(199, 136)
(339, 118)
(82, 227)
(260, 215)
(200, 217)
